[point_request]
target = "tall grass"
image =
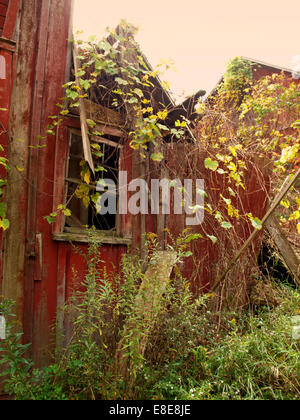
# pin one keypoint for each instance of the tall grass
(188, 355)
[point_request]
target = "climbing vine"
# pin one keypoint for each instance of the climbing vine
(241, 120)
(250, 120)
(114, 72)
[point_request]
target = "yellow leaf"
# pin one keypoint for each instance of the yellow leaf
(295, 215)
(233, 150)
(285, 203)
(87, 177)
(86, 201)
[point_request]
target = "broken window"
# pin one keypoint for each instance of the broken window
(83, 198)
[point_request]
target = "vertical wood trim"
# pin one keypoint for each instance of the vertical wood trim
(61, 291)
(11, 19)
(62, 147)
(33, 162)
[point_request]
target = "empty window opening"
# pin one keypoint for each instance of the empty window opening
(82, 198)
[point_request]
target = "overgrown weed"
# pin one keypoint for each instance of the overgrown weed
(188, 356)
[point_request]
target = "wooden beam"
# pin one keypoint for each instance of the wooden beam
(253, 235)
(146, 307)
(107, 130)
(83, 117)
(101, 140)
(11, 19)
(284, 247)
(100, 113)
(83, 237)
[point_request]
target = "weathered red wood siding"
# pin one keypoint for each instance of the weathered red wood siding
(40, 73)
(38, 271)
(8, 26)
(3, 11)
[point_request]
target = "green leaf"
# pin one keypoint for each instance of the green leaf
(2, 209)
(256, 222)
(231, 192)
(188, 254)
(221, 171)
(79, 74)
(132, 100)
(121, 81)
(72, 94)
(100, 168)
(138, 92)
(162, 127)
(51, 218)
(157, 157)
(97, 133)
(85, 84)
(192, 237)
(65, 86)
(90, 123)
(212, 238)
(211, 164)
(226, 225)
(4, 224)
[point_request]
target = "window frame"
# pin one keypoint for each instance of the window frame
(63, 143)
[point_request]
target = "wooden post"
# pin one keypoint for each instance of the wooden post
(284, 247)
(84, 130)
(146, 307)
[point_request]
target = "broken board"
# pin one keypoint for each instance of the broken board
(147, 306)
(286, 250)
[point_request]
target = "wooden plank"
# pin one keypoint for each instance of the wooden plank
(60, 187)
(38, 270)
(3, 10)
(83, 117)
(110, 131)
(100, 140)
(7, 44)
(2, 20)
(147, 305)
(101, 114)
(11, 19)
(33, 270)
(84, 238)
(13, 257)
(61, 292)
(277, 199)
(284, 247)
(106, 129)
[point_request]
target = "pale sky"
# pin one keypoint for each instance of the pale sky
(200, 36)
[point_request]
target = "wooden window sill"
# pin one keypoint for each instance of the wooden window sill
(84, 237)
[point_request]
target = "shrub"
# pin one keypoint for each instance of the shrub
(190, 353)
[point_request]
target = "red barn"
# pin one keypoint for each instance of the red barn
(37, 258)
